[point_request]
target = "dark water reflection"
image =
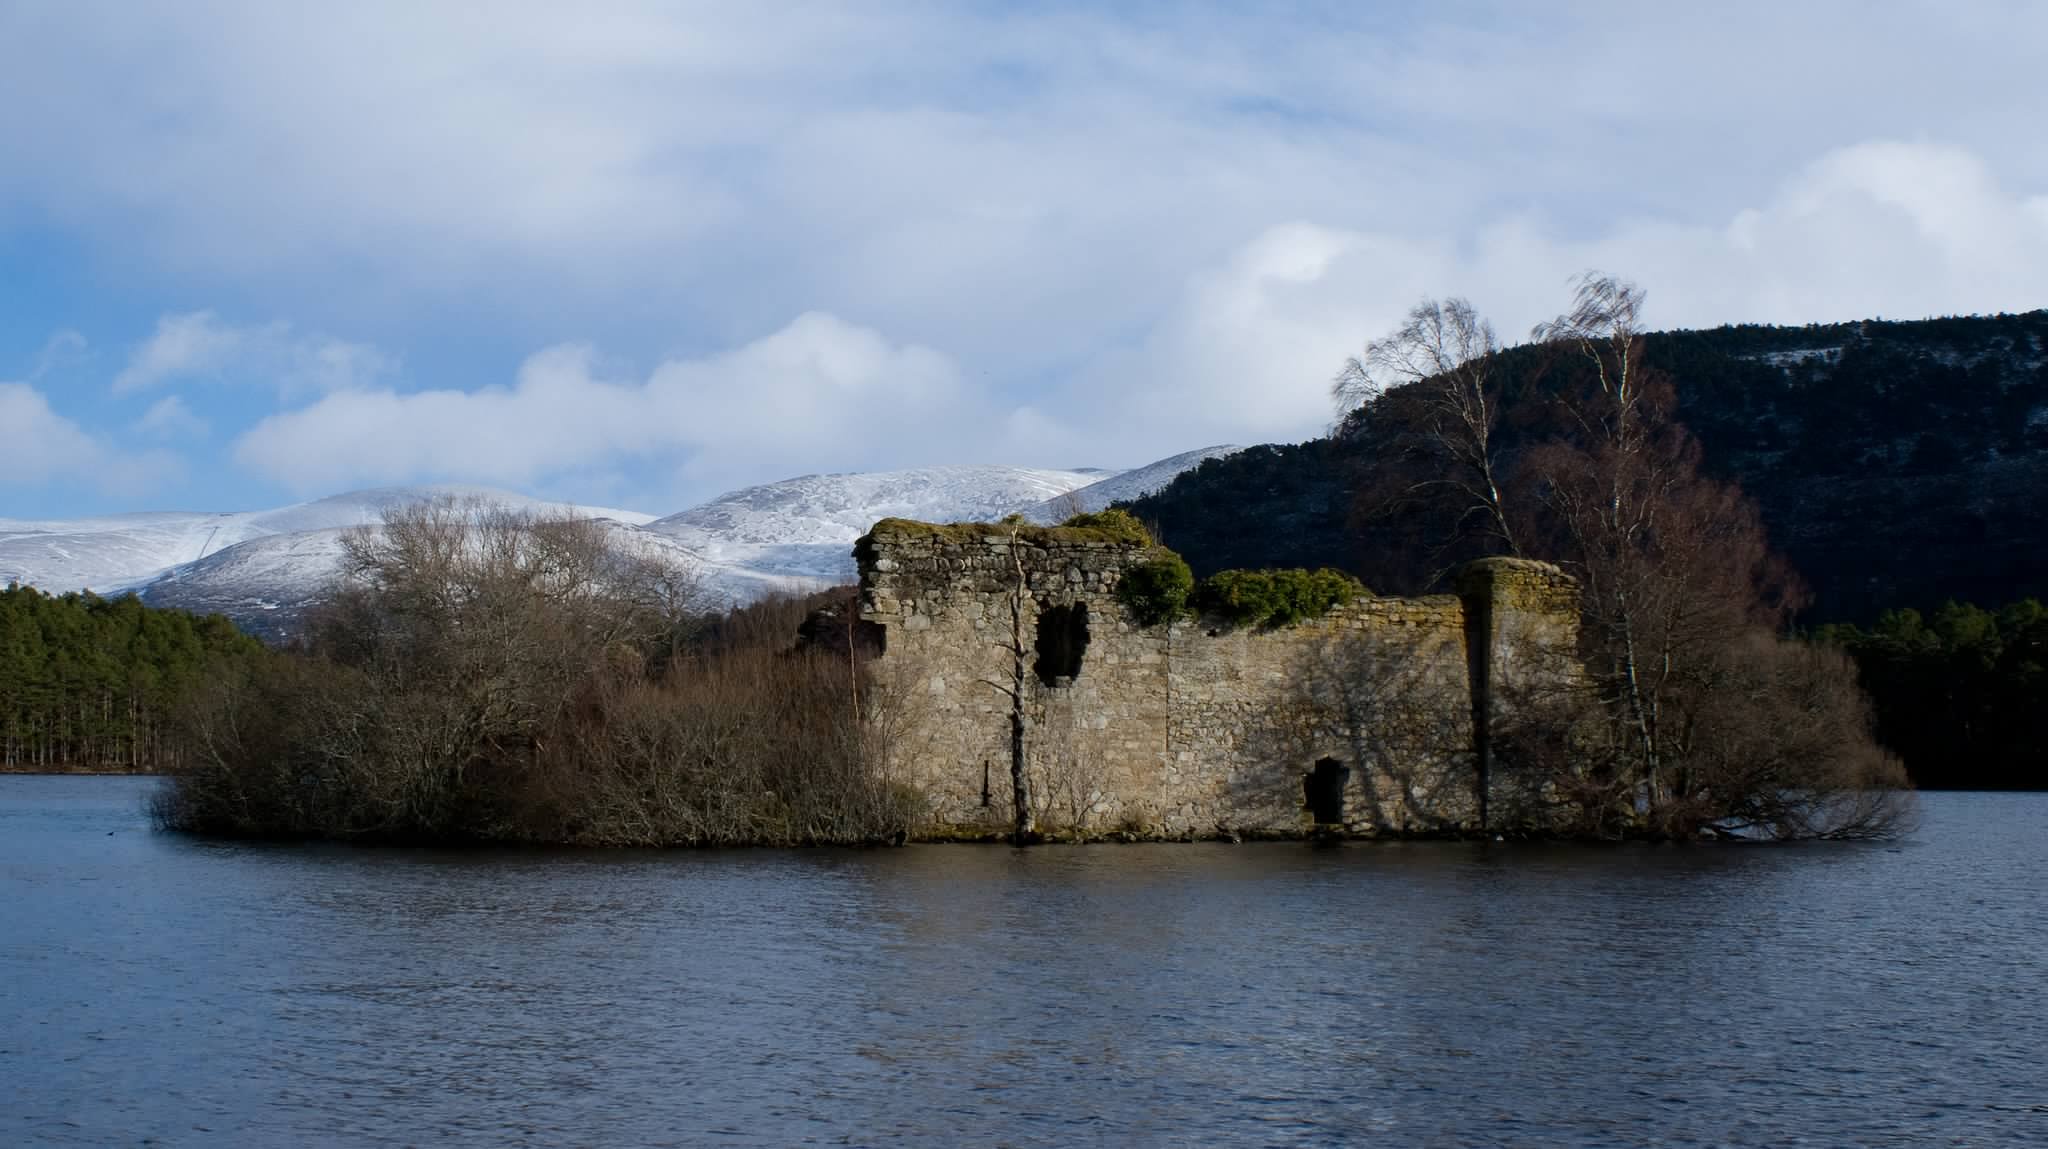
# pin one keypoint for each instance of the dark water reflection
(163, 991)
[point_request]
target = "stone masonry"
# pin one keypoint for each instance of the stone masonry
(1373, 718)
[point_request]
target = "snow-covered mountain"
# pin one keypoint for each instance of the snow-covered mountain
(262, 568)
(121, 552)
(265, 583)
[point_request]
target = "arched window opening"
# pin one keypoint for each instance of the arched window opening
(1323, 791)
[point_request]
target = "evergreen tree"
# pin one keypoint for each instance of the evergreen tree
(88, 683)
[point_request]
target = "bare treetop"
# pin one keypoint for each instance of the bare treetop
(1604, 307)
(1437, 338)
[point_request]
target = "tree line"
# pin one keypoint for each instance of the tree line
(1961, 694)
(93, 684)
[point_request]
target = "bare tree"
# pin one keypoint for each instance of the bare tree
(1443, 358)
(1682, 599)
(1022, 824)
(1609, 493)
(1680, 591)
(1020, 723)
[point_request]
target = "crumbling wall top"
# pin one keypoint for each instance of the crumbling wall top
(1519, 584)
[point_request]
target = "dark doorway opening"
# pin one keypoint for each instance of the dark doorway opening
(1062, 640)
(1323, 787)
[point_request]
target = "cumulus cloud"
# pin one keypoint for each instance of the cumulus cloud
(40, 443)
(817, 392)
(40, 446)
(198, 344)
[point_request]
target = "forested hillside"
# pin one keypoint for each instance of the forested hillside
(1896, 464)
(89, 684)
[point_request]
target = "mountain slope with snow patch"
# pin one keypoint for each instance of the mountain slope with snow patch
(1126, 485)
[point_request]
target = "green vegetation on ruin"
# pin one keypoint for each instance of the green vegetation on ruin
(1112, 526)
(1275, 597)
(1162, 589)
(1157, 590)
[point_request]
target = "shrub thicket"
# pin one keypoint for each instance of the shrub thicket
(485, 676)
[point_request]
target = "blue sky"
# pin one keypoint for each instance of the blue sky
(635, 254)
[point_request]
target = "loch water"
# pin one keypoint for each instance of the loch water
(159, 990)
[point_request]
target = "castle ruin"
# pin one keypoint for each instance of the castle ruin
(1376, 717)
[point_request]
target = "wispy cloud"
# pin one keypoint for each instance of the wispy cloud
(169, 418)
(198, 345)
(64, 348)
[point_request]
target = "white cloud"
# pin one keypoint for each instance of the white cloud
(197, 344)
(169, 418)
(819, 392)
(40, 446)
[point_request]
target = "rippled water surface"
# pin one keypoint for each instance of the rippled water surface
(157, 990)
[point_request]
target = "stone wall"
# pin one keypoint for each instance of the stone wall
(1192, 728)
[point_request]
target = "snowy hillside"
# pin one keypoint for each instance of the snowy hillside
(118, 552)
(262, 568)
(1123, 486)
(105, 553)
(262, 583)
(265, 583)
(801, 531)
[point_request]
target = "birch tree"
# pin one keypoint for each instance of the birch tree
(1443, 354)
